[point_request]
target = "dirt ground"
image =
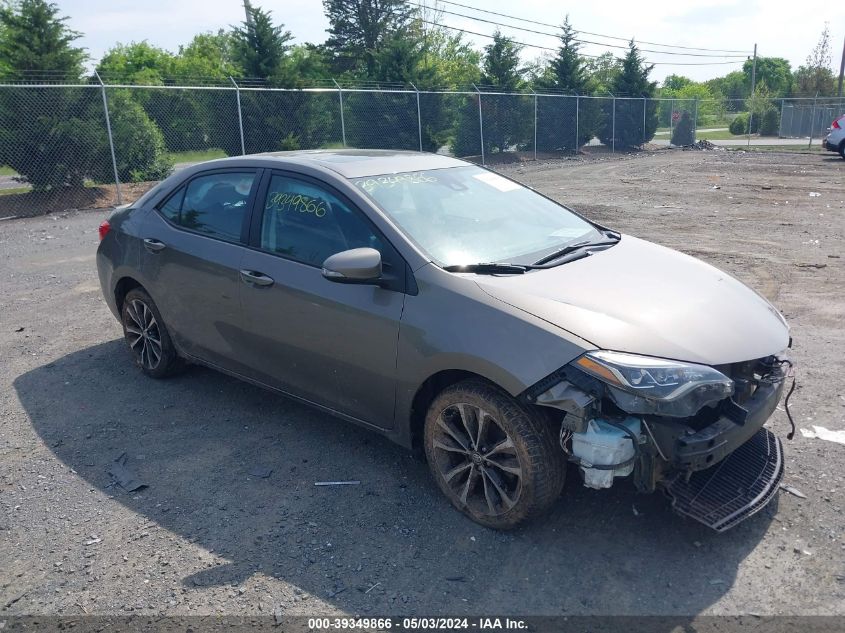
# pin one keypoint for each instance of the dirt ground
(206, 537)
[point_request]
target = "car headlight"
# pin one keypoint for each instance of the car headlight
(646, 385)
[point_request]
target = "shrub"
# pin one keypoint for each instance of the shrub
(739, 125)
(138, 144)
(770, 122)
(684, 132)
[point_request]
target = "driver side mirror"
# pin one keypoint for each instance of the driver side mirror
(355, 266)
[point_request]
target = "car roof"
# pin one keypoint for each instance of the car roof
(357, 163)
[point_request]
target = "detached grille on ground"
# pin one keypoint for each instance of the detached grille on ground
(734, 489)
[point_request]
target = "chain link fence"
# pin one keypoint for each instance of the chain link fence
(96, 145)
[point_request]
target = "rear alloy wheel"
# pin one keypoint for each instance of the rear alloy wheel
(495, 460)
(146, 335)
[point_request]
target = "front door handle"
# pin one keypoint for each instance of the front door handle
(154, 246)
(255, 278)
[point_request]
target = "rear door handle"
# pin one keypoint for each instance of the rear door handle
(255, 278)
(154, 246)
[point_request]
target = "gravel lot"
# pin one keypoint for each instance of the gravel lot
(206, 537)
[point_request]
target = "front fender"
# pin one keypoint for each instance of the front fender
(453, 325)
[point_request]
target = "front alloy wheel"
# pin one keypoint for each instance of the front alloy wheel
(496, 461)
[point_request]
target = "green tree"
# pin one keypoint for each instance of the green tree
(675, 83)
(557, 117)
(815, 76)
(137, 62)
(36, 40)
(734, 87)
(208, 55)
(631, 81)
(602, 71)
(359, 29)
(43, 134)
(684, 132)
(259, 45)
(501, 67)
(775, 72)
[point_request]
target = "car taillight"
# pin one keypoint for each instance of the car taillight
(104, 229)
(835, 124)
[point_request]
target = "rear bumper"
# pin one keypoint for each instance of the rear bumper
(830, 146)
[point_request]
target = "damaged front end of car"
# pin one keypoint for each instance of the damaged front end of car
(693, 430)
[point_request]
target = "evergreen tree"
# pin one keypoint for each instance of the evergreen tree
(359, 29)
(566, 71)
(259, 46)
(501, 67)
(508, 119)
(557, 117)
(35, 40)
(632, 81)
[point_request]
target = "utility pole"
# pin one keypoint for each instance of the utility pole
(753, 82)
(841, 69)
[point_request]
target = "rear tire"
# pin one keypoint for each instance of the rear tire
(147, 337)
(842, 149)
(497, 461)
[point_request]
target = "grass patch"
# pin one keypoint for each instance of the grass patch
(197, 156)
(16, 190)
(7, 171)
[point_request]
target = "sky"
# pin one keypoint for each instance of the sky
(780, 28)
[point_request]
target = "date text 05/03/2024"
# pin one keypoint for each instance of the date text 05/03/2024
(418, 624)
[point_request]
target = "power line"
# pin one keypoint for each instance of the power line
(610, 37)
(554, 50)
(580, 41)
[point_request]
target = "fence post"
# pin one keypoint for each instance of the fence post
(342, 122)
(535, 124)
(419, 116)
(240, 116)
(695, 121)
(780, 125)
(644, 108)
(480, 125)
(671, 119)
(613, 126)
(813, 120)
(577, 113)
(111, 139)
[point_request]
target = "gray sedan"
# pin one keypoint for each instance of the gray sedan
(462, 314)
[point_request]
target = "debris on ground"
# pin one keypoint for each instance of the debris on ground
(805, 265)
(793, 491)
(702, 144)
(124, 477)
(815, 194)
(821, 433)
(262, 472)
(20, 329)
(337, 483)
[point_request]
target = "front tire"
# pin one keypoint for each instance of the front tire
(842, 149)
(147, 337)
(497, 461)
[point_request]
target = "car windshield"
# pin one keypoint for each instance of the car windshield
(468, 215)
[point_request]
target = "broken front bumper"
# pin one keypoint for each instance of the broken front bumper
(738, 487)
(688, 450)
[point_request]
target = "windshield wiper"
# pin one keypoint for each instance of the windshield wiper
(575, 247)
(491, 268)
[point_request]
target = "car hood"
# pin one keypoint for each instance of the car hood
(642, 298)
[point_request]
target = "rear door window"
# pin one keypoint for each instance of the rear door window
(214, 205)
